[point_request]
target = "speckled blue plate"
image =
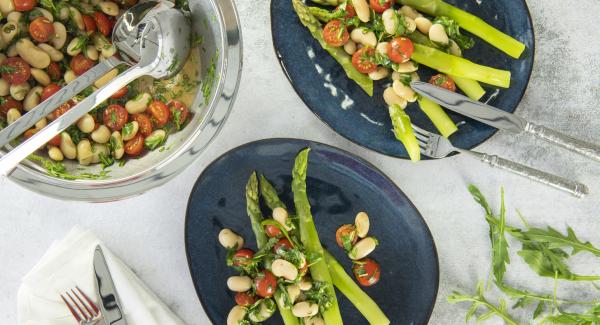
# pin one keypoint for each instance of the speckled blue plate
(322, 84)
(339, 186)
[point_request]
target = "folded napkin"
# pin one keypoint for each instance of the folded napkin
(69, 263)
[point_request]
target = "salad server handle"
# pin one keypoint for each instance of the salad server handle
(21, 125)
(10, 160)
(581, 147)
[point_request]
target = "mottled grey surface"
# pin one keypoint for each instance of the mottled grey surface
(563, 94)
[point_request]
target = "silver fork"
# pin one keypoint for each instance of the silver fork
(83, 309)
(436, 146)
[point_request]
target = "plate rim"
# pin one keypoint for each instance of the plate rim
(346, 152)
(364, 146)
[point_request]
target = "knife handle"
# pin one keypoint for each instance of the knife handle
(578, 190)
(581, 147)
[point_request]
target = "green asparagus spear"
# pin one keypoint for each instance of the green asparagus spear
(404, 132)
(269, 194)
(436, 114)
(470, 23)
(325, 15)
(310, 237)
(471, 88)
(328, 2)
(345, 60)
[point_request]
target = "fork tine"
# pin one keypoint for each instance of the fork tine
(89, 301)
(81, 310)
(421, 137)
(73, 312)
(87, 308)
(420, 130)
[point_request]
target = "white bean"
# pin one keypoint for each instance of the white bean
(3, 45)
(69, 76)
(32, 54)
(380, 73)
(363, 248)
(32, 99)
(390, 98)
(362, 224)
(407, 67)
(410, 24)
(86, 123)
(67, 146)
(293, 292)
(60, 35)
(2, 55)
(63, 13)
(55, 154)
(390, 21)
(363, 11)
(75, 46)
(40, 76)
(11, 52)
(77, 18)
(108, 51)
(99, 150)
(314, 321)
(438, 34)
(110, 8)
(9, 31)
(45, 13)
(118, 148)
(239, 283)
(363, 36)
(423, 25)
(382, 48)
(12, 115)
(6, 7)
(84, 152)
(409, 12)
(41, 124)
(91, 53)
(4, 87)
(131, 130)
(415, 77)
(404, 91)
(455, 49)
(101, 135)
(19, 91)
(106, 78)
(15, 16)
(350, 47)
(305, 308)
(55, 55)
(229, 239)
(281, 215)
(236, 315)
(138, 104)
(305, 284)
(284, 269)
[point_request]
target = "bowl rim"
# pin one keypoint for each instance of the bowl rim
(229, 72)
(308, 142)
(423, 157)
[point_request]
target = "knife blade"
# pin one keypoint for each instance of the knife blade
(110, 305)
(502, 120)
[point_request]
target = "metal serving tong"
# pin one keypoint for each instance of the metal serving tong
(152, 38)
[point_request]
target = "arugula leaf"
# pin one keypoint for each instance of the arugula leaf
(319, 294)
(479, 301)
(555, 239)
(453, 30)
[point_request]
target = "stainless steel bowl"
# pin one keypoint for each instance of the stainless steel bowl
(217, 22)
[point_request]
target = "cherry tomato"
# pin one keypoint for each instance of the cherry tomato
(55, 141)
(102, 23)
(48, 91)
(7, 103)
(29, 133)
(346, 234)
(265, 284)
(245, 299)
(80, 64)
(272, 231)
(243, 257)
(350, 11)
(379, 6)
(54, 71)
(15, 70)
(159, 112)
(144, 124)
(120, 93)
(177, 108)
(442, 80)
(135, 146)
(400, 49)
(60, 110)
(366, 271)
(24, 5)
(282, 245)
(90, 24)
(41, 29)
(115, 117)
(335, 34)
(362, 60)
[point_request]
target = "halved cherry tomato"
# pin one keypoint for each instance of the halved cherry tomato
(400, 49)
(7, 103)
(135, 146)
(335, 33)
(366, 271)
(282, 245)
(61, 110)
(54, 71)
(29, 133)
(24, 5)
(379, 6)
(242, 257)
(272, 231)
(48, 91)
(120, 93)
(90, 24)
(102, 23)
(115, 117)
(442, 80)
(55, 141)
(178, 109)
(144, 124)
(159, 112)
(80, 64)
(245, 299)
(350, 11)
(265, 284)
(15, 70)
(346, 236)
(362, 60)
(41, 29)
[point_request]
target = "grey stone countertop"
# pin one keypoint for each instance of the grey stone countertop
(147, 231)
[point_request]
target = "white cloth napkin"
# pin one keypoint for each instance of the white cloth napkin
(69, 263)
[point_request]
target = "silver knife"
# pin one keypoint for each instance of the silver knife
(110, 305)
(502, 120)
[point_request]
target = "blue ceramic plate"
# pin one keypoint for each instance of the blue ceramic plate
(339, 186)
(322, 84)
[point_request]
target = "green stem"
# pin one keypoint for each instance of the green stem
(491, 307)
(404, 132)
(269, 194)
(253, 210)
(436, 114)
(471, 88)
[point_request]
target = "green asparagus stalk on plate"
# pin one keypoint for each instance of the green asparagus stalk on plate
(404, 132)
(436, 114)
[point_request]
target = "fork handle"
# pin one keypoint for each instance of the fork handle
(576, 189)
